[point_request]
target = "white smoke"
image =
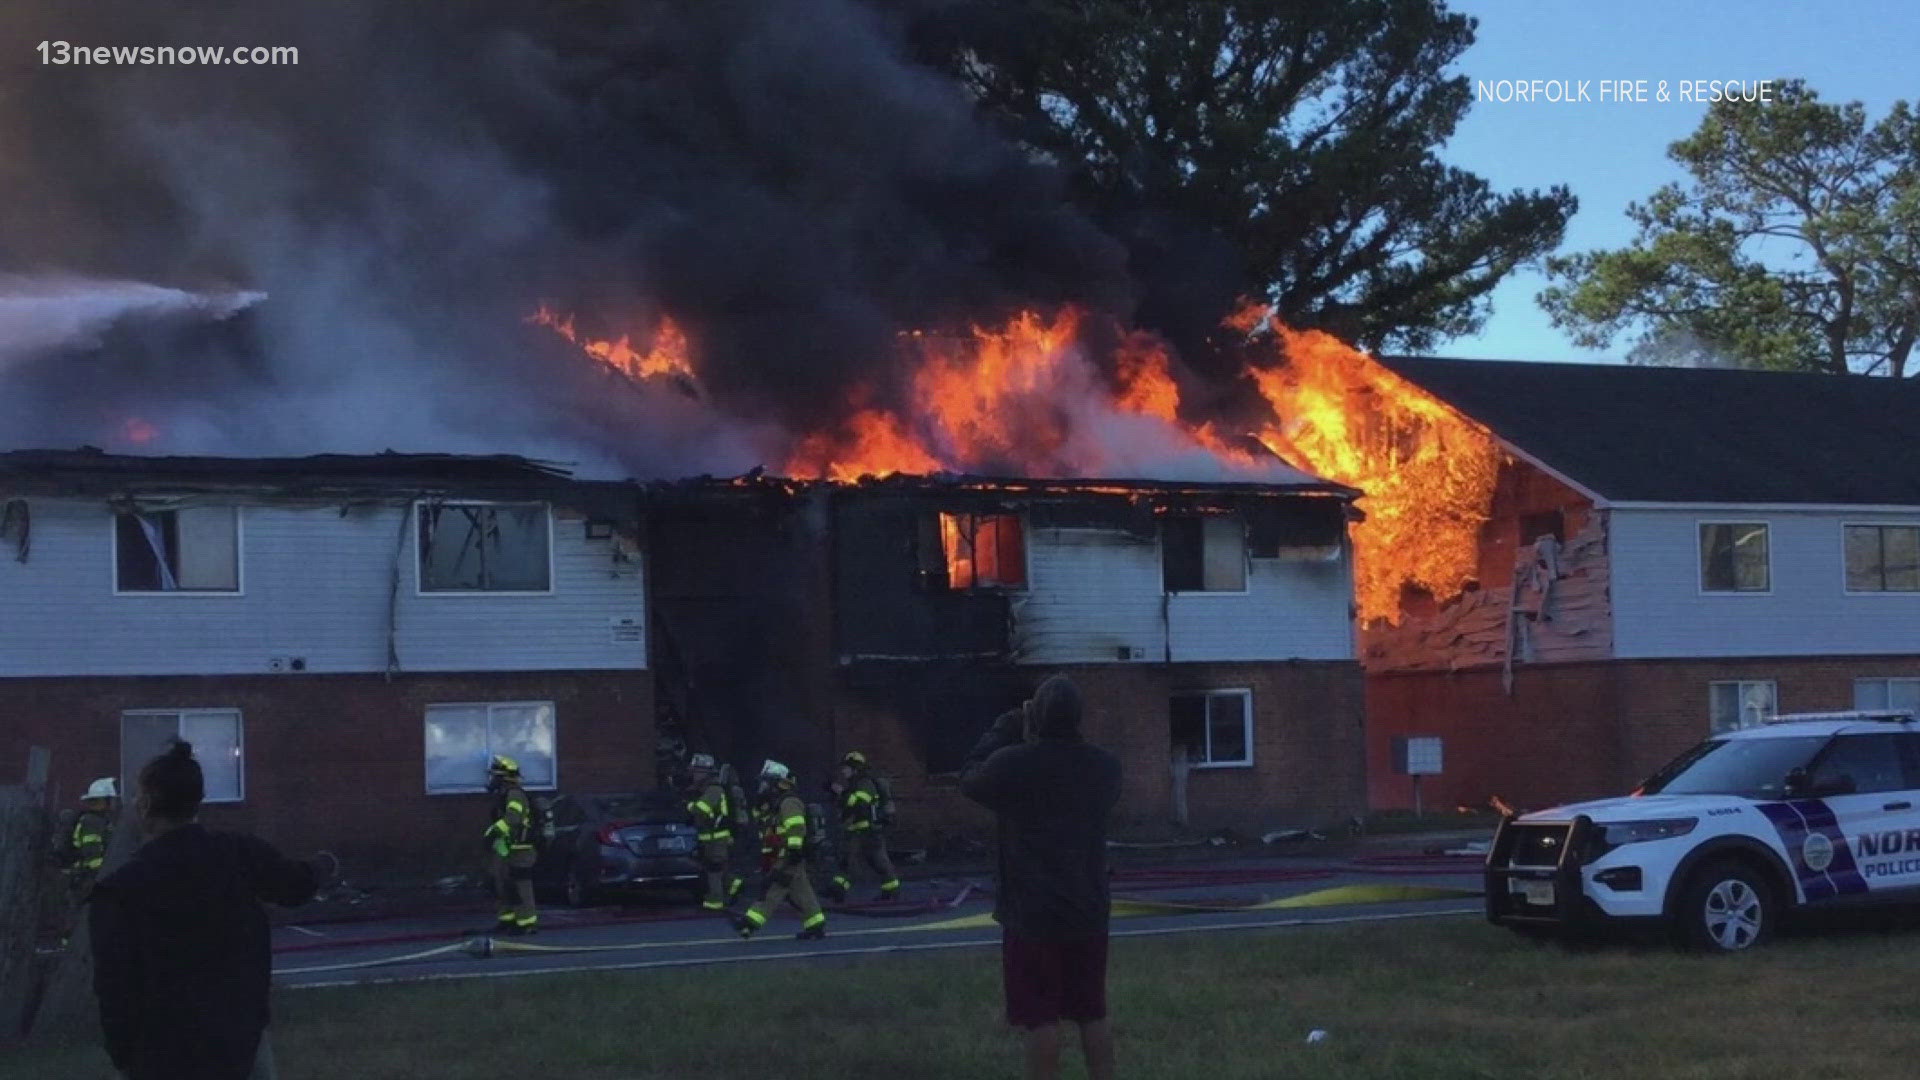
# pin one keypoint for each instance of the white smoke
(71, 312)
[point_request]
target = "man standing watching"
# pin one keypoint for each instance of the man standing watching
(180, 947)
(511, 853)
(1052, 794)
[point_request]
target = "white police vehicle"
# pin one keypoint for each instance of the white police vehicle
(1814, 809)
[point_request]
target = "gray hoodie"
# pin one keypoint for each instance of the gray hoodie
(1053, 794)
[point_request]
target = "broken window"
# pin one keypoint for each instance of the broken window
(462, 739)
(983, 551)
(484, 547)
(1883, 558)
(190, 550)
(1214, 726)
(214, 734)
(1203, 554)
(1733, 557)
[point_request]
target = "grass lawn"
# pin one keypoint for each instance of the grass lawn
(1423, 999)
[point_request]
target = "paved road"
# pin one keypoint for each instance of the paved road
(934, 915)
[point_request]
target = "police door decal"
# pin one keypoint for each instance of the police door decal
(1821, 858)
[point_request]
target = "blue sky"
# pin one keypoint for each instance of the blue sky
(1614, 153)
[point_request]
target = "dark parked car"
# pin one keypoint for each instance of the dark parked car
(602, 843)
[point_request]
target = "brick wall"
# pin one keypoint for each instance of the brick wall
(336, 762)
(1307, 759)
(1577, 731)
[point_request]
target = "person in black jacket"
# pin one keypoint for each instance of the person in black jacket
(180, 950)
(1052, 793)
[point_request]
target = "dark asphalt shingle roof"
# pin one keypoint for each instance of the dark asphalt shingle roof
(1695, 435)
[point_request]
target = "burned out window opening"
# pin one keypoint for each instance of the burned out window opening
(189, 550)
(1546, 523)
(1203, 553)
(1215, 727)
(1734, 557)
(1883, 558)
(485, 547)
(960, 552)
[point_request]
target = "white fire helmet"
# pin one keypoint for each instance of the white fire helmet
(701, 761)
(103, 788)
(773, 773)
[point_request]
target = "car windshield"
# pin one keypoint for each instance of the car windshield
(1755, 768)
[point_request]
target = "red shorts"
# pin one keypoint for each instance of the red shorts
(1048, 982)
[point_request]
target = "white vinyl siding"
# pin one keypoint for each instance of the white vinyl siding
(318, 587)
(1097, 595)
(1660, 610)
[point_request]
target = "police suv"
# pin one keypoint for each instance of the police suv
(1813, 809)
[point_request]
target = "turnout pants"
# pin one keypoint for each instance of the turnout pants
(781, 886)
(716, 858)
(513, 888)
(867, 846)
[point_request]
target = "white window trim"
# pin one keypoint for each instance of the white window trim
(1246, 557)
(1774, 683)
(1700, 558)
(1026, 551)
(239, 562)
(240, 739)
(419, 578)
(1849, 590)
(426, 783)
(1888, 679)
(1245, 694)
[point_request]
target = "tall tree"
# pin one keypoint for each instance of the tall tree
(1794, 244)
(1282, 149)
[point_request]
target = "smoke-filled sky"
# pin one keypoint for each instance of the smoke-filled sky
(340, 255)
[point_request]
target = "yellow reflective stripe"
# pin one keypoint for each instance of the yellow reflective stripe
(860, 795)
(87, 838)
(716, 836)
(859, 826)
(701, 806)
(797, 819)
(814, 920)
(796, 841)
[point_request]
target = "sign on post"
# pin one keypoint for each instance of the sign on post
(1417, 756)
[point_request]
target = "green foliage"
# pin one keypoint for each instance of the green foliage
(1281, 149)
(1794, 245)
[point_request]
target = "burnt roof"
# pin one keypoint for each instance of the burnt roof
(1630, 433)
(404, 469)
(959, 483)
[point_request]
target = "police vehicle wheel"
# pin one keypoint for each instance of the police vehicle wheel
(1726, 907)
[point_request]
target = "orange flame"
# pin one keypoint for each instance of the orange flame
(1428, 472)
(668, 355)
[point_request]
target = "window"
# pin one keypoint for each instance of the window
(485, 547)
(1883, 558)
(1887, 694)
(1216, 726)
(983, 551)
(214, 733)
(1733, 557)
(1858, 765)
(191, 550)
(1742, 704)
(461, 739)
(1547, 523)
(1203, 554)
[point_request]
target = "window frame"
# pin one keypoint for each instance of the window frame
(1700, 556)
(426, 781)
(414, 521)
(1742, 683)
(1026, 550)
(181, 713)
(239, 557)
(1246, 556)
(1846, 585)
(1245, 694)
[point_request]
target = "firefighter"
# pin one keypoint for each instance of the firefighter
(863, 818)
(86, 844)
(783, 851)
(511, 853)
(712, 810)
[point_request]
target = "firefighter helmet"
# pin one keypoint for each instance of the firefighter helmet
(701, 762)
(775, 773)
(502, 765)
(103, 788)
(855, 758)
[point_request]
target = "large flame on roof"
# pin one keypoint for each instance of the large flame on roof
(1024, 398)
